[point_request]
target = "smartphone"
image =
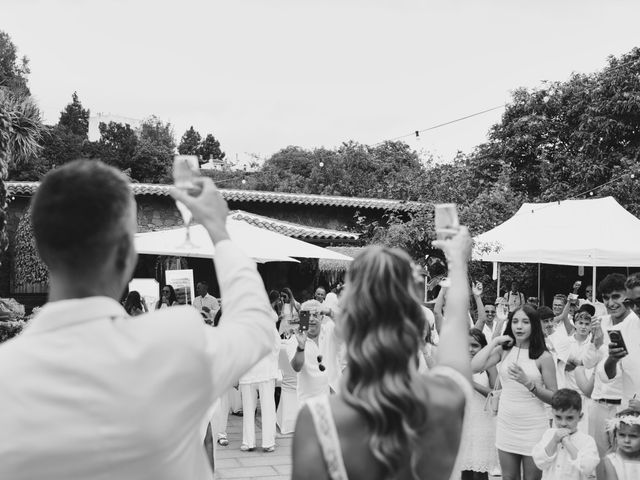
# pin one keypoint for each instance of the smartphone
(446, 217)
(304, 320)
(573, 298)
(616, 337)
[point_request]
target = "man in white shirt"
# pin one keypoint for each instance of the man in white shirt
(315, 354)
(514, 298)
(87, 392)
(624, 362)
(599, 306)
(607, 393)
(205, 303)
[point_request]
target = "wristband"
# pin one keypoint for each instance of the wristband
(298, 349)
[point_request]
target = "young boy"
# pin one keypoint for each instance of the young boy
(564, 453)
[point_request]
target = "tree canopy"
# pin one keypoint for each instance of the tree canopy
(13, 71)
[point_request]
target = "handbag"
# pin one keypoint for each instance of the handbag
(492, 401)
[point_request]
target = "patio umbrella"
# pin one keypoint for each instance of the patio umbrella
(257, 243)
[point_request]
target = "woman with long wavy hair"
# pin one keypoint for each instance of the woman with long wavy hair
(389, 420)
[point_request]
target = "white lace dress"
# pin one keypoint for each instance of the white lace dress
(477, 447)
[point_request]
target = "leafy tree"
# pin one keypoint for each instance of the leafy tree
(210, 149)
(390, 170)
(13, 71)
(75, 119)
(190, 142)
(68, 139)
(151, 163)
(20, 131)
(157, 132)
(154, 152)
(117, 145)
(568, 137)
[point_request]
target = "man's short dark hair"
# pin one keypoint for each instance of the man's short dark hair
(545, 312)
(566, 399)
(614, 282)
(202, 282)
(632, 281)
(79, 212)
(588, 308)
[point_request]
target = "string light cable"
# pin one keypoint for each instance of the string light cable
(416, 133)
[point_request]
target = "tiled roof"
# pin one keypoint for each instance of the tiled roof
(302, 232)
(28, 188)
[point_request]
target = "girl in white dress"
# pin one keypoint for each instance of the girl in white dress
(624, 462)
(528, 377)
(477, 448)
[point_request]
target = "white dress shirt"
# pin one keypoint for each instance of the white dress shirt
(311, 380)
(627, 369)
(560, 465)
(87, 392)
(207, 301)
(603, 388)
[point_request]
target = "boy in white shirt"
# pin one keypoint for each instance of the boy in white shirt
(564, 453)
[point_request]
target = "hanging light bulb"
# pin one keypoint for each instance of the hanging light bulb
(417, 135)
(244, 181)
(321, 164)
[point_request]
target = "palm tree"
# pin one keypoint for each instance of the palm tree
(21, 130)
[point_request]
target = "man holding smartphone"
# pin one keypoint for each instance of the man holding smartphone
(609, 387)
(314, 352)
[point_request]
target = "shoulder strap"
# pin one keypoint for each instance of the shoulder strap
(328, 437)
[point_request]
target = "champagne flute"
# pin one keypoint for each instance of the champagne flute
(185, 169)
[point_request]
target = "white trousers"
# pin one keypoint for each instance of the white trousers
(267, 407)
(220, 417)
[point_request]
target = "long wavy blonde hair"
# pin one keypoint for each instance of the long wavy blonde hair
(383, 324)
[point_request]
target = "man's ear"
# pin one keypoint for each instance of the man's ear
(123, 252)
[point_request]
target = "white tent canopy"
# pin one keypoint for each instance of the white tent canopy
(595, 232)
(257, 243)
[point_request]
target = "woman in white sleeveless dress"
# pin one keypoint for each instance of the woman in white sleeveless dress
(528, 378)
(388, 420)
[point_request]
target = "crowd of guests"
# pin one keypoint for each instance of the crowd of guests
(564, 367)
(386, 387)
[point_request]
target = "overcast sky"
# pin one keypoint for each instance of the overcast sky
(264, 74)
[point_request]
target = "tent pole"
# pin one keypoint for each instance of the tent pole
(538, 282)
(498, 287)
(593, 285)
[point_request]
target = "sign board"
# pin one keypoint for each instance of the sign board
(182, 283)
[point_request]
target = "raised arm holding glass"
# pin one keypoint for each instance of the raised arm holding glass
(86, 391)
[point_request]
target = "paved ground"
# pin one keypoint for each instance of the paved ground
(232, 463)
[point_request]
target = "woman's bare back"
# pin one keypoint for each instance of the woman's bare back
(444, 401)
